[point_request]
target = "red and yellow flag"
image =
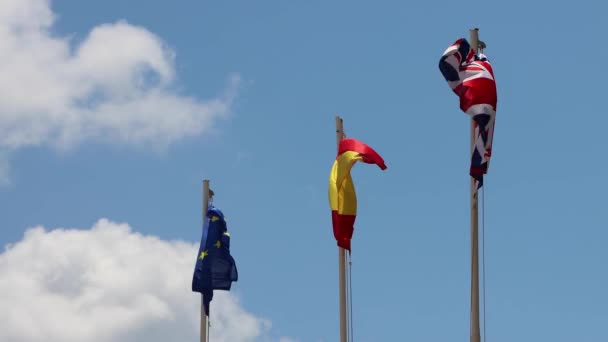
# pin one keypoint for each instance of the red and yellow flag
(342, 196)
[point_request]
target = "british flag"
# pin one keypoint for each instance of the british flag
(470, 76)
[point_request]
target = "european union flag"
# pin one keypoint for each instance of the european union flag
(215, 268)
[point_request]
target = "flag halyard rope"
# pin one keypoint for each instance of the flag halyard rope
(483, 254)
(350, 295)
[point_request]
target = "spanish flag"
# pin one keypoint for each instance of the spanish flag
(342, 196)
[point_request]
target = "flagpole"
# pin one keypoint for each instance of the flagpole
(475, 332)
(207, 193)
(341, 255)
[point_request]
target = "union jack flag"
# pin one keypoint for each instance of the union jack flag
(470, 76)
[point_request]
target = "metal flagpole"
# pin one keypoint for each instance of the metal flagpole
(207, 195)
(341, 255)
(474, 333)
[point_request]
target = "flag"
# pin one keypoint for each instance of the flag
(471, 77)
(342, 196)
(215, 268)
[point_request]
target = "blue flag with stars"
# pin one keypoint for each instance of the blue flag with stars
(215, 268)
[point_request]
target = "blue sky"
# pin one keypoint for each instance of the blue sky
(375, 64)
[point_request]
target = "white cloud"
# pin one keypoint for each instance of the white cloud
(286, 339)
(109, 283)
(116, 86)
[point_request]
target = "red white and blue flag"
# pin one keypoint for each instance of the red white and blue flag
(470, 76)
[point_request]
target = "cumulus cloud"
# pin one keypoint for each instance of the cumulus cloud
(109, 283)
(118, 85)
